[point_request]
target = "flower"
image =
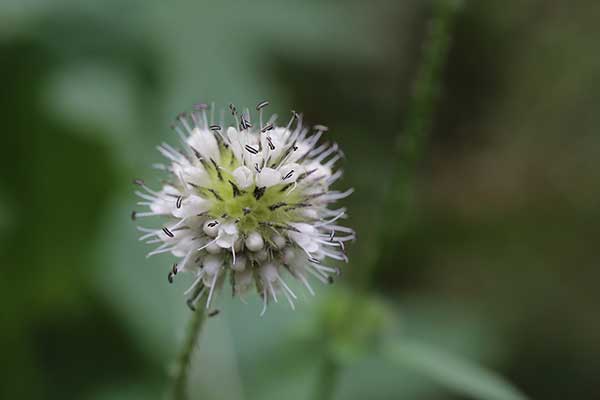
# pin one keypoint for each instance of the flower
(249, 205)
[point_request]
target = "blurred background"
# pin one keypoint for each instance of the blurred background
(493, 258)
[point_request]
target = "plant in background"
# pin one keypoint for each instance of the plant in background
(248, 204)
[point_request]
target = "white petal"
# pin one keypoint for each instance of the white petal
(268, 177)
(292, 171)
(212, 263)
(243, 176)
(269, 272)
(190, 206)
(254, 241)
(205, 143)
(240, 263)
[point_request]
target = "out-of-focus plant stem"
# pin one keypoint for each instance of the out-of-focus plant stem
(412, 141)
(327, 379)
(182, 366)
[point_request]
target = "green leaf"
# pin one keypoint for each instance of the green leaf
(452, 372)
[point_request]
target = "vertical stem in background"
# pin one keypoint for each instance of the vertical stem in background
(327, 379)
(412, 141)
(412, 144)
(182, 366)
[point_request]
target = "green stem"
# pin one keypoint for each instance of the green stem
(182, 366)
(412, 142)
(327, 379)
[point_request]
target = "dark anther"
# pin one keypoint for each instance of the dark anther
(271, 145)
(295, 115)
(213, 313)
(215, 127)
(295, 147)
(267, 127)
(170, 277)
(181, 115)
(138, 182)
(224, 215)
(321, 128)
(178, 202)
(236, 190)
(200, 106)
(246, 210)
(214, 192)
(212, 224)
(259, 192)
(168, 232)
(256, 167)
(133, 215)
(330, 279)
(251, 149)
(288, 175)
(275, 206)
(262, 104)
(232, 109)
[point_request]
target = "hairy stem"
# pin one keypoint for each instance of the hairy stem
(413, 139)
(182, 366)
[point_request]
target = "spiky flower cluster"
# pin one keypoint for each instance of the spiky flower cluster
(248, 205)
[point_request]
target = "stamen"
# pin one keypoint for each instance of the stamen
(251, 149)
(262, 104)
(288, 175)
(212, 290)
(267, 127)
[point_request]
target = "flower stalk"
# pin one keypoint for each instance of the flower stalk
(181, 372)
(327, 379)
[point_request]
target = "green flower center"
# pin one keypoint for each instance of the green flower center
(254, 207)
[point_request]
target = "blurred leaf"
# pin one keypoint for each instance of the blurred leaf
(454, 373)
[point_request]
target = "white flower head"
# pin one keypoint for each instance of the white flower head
(249, 204)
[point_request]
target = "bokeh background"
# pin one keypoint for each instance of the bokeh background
(494, 259)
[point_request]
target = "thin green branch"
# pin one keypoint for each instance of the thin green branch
(412, 141)
(182, 366)
(327, 379)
